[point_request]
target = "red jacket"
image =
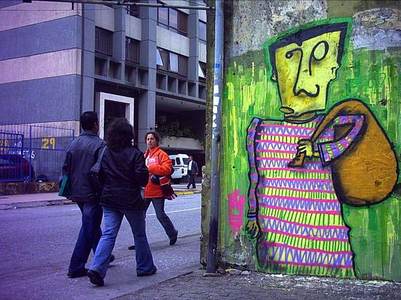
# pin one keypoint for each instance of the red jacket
(159, 164)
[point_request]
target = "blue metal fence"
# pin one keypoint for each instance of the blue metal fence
(32, 152)
(12, 165)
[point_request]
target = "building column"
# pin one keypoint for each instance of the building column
(193, 60)
(147, 100)
(120, 14)
(87, 36)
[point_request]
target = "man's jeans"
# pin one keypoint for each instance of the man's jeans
(158, 204)
(89, 235)
(111, 225)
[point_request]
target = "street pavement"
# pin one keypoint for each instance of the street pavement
(38, 234)
(251, 285)
(36, 245)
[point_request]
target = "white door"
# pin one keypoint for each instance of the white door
(112, 106)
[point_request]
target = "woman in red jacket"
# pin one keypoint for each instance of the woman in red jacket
(159, 165)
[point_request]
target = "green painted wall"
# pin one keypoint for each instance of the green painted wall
(373, 76)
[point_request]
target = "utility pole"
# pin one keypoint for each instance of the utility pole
(211, 266)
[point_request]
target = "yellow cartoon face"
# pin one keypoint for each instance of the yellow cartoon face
(304, 71)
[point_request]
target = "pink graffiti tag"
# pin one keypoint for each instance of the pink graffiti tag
(235, 210)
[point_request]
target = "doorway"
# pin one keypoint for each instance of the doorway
(111, 106)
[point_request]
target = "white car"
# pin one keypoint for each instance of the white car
(180, 165)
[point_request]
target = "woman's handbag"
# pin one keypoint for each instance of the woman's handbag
(165, 185)
(94, 174)
(65, 187)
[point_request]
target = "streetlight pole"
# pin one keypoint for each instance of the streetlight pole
(216, 137)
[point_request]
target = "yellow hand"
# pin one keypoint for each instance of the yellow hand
(252, 228)
(307, 147)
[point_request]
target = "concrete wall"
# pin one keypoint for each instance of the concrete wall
(284, 220)
(40, 62)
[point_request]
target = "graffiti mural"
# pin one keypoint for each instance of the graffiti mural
(317, 156)
(294, 210)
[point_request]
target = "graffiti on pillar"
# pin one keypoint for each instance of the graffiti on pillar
(316, 155)
(236, 204)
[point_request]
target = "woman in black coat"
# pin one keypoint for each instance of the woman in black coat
(123, 173)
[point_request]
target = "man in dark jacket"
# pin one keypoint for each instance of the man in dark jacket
(192, 172)
(81, 156)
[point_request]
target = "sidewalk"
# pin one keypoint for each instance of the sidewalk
(252, 285)
(49, 199)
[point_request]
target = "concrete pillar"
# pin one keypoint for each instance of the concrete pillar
(147, 100)
(193, 60)
(120, 13)
(88, 59)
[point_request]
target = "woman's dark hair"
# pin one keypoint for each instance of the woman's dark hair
(155, 134)
(119, 134)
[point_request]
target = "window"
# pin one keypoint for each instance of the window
(163, 62)
(172, 19)
(202, 31)
(131, 50)
(159, 60)
(202, 70)
(173, 62)
(104, 41)
(182, 65)
(162, 17)
(133, 10)
(182, 23)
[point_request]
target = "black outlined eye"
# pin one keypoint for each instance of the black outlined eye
(320, 50)
(289, 54)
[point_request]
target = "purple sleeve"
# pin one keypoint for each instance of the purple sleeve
(333, 149)
(253, 174)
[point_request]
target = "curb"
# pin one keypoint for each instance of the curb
(187, 192)
(32, 204)
(40, 203)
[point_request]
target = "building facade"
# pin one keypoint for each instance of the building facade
(147, 64)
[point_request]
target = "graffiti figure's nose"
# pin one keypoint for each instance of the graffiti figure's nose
(286, 110)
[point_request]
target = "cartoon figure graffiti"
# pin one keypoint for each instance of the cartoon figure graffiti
(294, 203)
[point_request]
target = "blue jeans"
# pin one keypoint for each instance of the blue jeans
(158, 204)
(112, 219)
(89, 235)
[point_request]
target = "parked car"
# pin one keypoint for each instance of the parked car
(14, 167)
(180, 165)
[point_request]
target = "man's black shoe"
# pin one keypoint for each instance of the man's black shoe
(95, 278)
(174, 239)
(77, 274)
(141, 274)
(132, 247)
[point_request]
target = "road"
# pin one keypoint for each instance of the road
(36, 245)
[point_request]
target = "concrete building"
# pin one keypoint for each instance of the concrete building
(143, 63)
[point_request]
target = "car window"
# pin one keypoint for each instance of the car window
(186, 161)
(173, 161)
(178, 161)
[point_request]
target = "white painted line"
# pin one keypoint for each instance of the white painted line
(178, 211)
(168, 212)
